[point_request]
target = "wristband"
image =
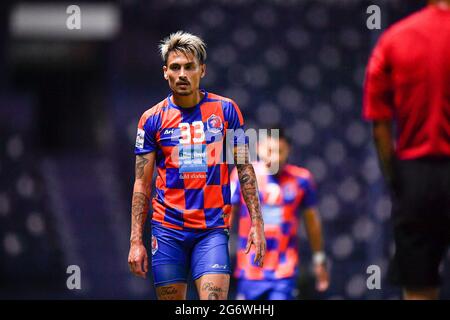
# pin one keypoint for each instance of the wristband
(319, 257)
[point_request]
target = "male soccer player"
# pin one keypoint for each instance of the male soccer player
(282, 196)
(184, 136)
(408, 83)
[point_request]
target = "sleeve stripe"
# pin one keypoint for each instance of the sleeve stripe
(238, 111)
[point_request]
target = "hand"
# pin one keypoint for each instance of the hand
(138, 260)
(322, 277)
(257, 238)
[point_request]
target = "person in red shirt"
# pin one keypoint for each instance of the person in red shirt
(185, 136)
(408, 85)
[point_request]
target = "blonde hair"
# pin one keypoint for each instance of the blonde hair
(184, 42)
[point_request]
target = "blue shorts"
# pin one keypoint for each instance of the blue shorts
(281, 289)
(174, 252)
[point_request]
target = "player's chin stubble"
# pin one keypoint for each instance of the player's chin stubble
(183, 93)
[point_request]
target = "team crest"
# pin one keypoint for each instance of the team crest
(154, 245)
(214, 124)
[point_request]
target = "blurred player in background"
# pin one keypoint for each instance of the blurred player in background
(184, 136)
(408, 84)
(282, 196)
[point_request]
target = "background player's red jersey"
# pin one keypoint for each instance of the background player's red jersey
(192, 186)
(281, 198)
(408, 78)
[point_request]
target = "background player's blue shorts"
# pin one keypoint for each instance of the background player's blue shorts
(174, 252)
(281, 289)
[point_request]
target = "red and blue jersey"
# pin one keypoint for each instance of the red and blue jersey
(281, 198)
(192, 184)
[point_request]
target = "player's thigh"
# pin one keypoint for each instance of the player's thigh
(419, 248)
(210, 254)
(418, 227)
(213, 286)
(174, 291)
(169, 261)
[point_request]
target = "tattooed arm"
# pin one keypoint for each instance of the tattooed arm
(249, 189)
(137, 258)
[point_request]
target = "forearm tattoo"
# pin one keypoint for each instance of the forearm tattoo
(140, 203)
(139, 211)
(249, 188)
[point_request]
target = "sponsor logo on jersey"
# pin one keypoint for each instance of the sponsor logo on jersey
(168, 131)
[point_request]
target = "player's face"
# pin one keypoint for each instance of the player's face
(183, 72)
(274, 151)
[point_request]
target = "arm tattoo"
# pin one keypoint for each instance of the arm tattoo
(249, 187)
(141, 161)
(140, 203)
(139, 211)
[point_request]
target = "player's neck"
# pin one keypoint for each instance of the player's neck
(279, 171)
(188, 101)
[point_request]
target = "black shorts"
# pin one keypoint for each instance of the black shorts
(421, 219)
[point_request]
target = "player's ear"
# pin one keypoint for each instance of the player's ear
(203, 68)
(165, 73)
